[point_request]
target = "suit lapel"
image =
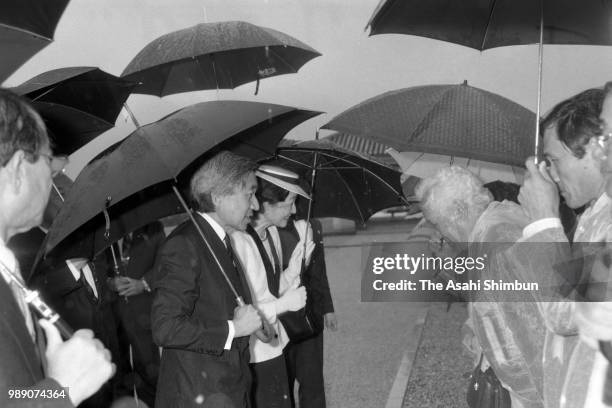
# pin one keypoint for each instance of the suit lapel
(236, 276)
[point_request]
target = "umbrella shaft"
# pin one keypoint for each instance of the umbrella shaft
(540, 58)
(207, 244)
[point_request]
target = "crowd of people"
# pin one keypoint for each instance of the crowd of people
(554, 348)
(196, 318)
(201, 317)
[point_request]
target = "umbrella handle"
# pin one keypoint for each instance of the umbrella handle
(33, 298)
(267, 332)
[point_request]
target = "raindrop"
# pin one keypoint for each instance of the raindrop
(199, 399)
(204, 375)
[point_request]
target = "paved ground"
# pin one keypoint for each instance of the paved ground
(438, 378)
(369, 360)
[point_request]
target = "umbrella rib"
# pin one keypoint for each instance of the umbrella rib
(294, 161)
(486, 33)
(338, 158)
(427, 115)
(44, 93)
(22, 30)
(282, 59)
(165, 82)
(384, 182)
(351, 195)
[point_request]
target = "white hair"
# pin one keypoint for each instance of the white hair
(451, 195)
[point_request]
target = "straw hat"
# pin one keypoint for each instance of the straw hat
(282, 178)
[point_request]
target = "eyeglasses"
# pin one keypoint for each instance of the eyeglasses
(56, 163)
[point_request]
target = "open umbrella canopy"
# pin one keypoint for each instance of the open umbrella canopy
(26, 27)
(258, 143)
(159, 151)
(220, 55)
(454, 120)
(347, 185)
(484, 24)
(77, 103)
(425, 165)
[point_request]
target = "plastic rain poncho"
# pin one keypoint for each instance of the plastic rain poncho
(511, 334)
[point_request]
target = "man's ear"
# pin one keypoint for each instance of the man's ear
(15, 169)
(598, 148)
(216, 199)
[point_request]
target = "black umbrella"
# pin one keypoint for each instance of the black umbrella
(162, 151)
(220, 55)
(453, 120)
(345, 184)
(26, 27)
(158, 153)
(258, 143)
(488, 24)
(77, 103)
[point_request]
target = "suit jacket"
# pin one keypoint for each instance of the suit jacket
(145, 243)
(75, 300)
(21, 368)
(192, 304)
(136, 310)
(315, 279)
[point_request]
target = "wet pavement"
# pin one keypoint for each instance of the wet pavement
(383, 349)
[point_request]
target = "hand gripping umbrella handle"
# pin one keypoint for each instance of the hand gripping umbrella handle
(267, 332)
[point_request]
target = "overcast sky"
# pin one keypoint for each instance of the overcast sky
(353, 67)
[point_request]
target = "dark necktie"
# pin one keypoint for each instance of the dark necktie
(237, 273)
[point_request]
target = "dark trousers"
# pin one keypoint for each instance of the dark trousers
(305, 364)
(134, 317)
(270, 384)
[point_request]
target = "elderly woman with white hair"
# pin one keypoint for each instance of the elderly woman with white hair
(510, 335)
(274, 290)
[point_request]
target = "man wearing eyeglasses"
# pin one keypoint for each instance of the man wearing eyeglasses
(590, 366)
(32, 373)
(574, 147)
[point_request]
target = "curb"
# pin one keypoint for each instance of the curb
(398, 389)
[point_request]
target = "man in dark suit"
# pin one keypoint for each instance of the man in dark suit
(81, 364)
(305, 358)
(76, 288)
(194, 316)
(133, 307)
